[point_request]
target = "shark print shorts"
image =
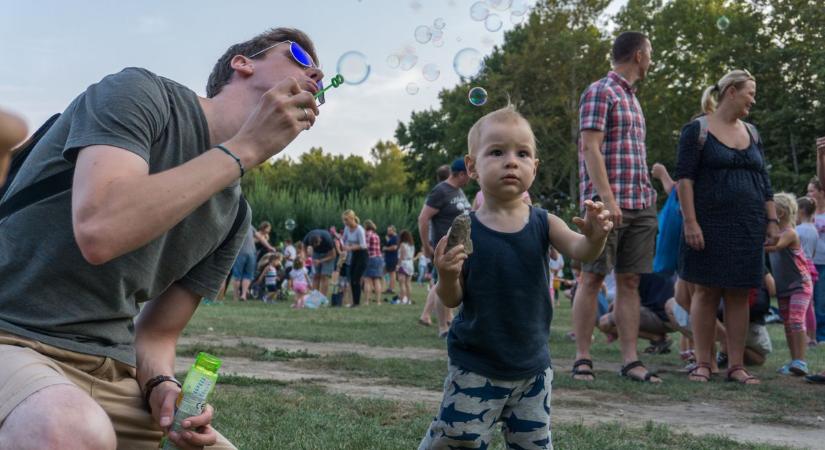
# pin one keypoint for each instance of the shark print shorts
(473, 404)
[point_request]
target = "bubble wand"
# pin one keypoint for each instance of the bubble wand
(336, 81)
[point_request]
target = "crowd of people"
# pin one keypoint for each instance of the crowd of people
(351, 261)
(95, 374)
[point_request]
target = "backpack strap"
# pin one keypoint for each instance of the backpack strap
(42, 189)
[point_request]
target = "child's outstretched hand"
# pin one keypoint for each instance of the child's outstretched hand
(596, 222)
(449, 263)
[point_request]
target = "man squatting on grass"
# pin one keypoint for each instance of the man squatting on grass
(151, 202)
(499, 360)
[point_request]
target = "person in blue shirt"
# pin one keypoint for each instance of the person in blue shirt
(499, 360)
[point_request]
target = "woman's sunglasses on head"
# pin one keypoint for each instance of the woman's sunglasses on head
(300, 56)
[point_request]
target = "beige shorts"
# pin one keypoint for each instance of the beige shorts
(29, 366)
(630, 246)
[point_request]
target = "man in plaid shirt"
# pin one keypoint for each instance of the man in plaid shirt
(613, 167)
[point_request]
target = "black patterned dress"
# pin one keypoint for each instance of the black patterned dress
(730, 188)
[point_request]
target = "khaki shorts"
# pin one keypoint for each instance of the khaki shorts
(629, 247)
(29, 366)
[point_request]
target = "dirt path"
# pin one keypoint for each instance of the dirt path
(319, 348)
(570, 406)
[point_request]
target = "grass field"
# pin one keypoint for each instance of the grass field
(260, 413)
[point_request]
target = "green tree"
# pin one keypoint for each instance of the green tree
(778, 41)
(389, 174)
(423, 142)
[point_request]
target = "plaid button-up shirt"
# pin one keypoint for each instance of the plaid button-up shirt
(610, 106)
(373, 244)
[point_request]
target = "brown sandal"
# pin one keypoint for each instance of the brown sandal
(694, 372)
(748, 378)
(577, 371)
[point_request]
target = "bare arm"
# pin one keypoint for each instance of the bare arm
(594, 161)
(693, 233)
(583, 247)
(788, 238)
(820, 158)
(12, 132)
(262, 239)
(660, 173)
(157, 329)
(328, 257)
(118, 207)
(772, 233)
(427, 213)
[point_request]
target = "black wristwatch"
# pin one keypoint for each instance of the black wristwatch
(154, 381)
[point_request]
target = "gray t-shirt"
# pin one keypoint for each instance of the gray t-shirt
(354, 237)
(808, 238)
(50, 292)
(450, 202)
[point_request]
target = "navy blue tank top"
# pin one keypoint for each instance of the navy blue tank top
(503, 326)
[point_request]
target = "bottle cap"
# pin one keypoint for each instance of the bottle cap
(208, 362)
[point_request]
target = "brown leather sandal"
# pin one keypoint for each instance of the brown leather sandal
(694, 372)
(749, 379)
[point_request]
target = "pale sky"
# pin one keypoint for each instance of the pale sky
(55, 49)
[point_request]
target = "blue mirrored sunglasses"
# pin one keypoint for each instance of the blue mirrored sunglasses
(300, 56)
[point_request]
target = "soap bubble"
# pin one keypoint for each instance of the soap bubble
(477, 96)
(423, 34)
(289, 224)
(353, 66)
(516, 19)
(430, 72)
(393, 61)
(479, 11)
(493, 22)
(438, 42)
(467, 62)
(519, 7)
(439, 23)
(415, 5)
(500, 5)
(437, 35)
(723, 23)
(408, 61)
(412, 88)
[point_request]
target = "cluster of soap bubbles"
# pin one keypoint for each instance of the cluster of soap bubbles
(404, 59)
(467, 62)
(425, 34)
(488, 11)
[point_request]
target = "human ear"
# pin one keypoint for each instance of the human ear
(243, 65)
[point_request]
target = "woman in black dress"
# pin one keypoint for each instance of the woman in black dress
(728, 211)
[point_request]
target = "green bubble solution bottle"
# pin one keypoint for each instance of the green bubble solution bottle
(201, 379)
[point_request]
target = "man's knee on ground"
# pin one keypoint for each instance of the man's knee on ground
(58, 416)
(753, 357)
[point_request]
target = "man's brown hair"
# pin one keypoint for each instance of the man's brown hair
(222, 71)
